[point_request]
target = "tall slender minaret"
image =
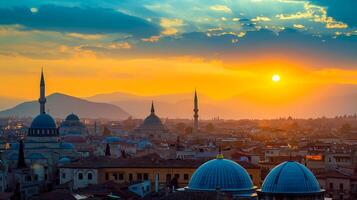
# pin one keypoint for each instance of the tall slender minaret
(152, 108)
(42, 99)
(195, 115)
(21, 159)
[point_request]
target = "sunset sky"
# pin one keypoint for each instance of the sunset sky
(148, 47)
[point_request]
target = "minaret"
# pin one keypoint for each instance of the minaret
(152, 108)
(42, 99)
(21, 159)
(195, 116)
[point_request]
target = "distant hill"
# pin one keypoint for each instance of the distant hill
(60, 105)
(326, 101)
(8, 102)
(170, 105)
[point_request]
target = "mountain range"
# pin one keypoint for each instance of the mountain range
(326, 101)
(60, 105)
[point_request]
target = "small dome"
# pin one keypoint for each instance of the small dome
(220, 173)
(290, 177)
(72, 117)
(152, 120)
(64, 160)
(43, 121)
(66, 145)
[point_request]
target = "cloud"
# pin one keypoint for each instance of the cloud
(170, 26)
(221, 8)
(154, 38)
(34, 10)
(260, 19)
(298, 26)
(86, 36)
(314, 13)
(341, 10)
(78, 20)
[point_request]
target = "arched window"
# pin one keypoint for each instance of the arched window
(89, 176)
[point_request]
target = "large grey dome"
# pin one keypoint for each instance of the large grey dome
(43, 121)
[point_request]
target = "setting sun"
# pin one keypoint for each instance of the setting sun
(275, 78)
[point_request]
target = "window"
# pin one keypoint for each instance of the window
(139, 176)
(89, 176)
(177, 176)
(80, 176)
(63, 175)
(185, 176)
(46, 177)
(130, 177)
(146, 176)
(331, 185)
(341, 186)
(121, 176)
(115, 176)
(106, 176)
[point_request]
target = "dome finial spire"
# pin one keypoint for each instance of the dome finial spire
(42, 99)
(219, 155)
(152, 108)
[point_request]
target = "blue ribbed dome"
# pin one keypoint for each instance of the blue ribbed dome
(66, 145)
(290, 177)
(224, 174)
(43, 121)
(72, 117)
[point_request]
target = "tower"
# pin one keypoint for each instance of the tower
(21, 159)
(42, 99)
(152, 108)
(195, 115)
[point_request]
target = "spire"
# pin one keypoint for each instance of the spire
(195, 110)
(42, 99)
(152, 108)
(42, 83)
(107, 150)
(220, 155)
(21, 159)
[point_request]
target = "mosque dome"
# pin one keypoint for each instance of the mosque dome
(222, 174)
(72, 117)
(152, 121)
(290, 178)
(43, 121)
(64, 161)
(66, 145)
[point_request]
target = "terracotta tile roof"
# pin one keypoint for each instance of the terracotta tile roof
(151, 161)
